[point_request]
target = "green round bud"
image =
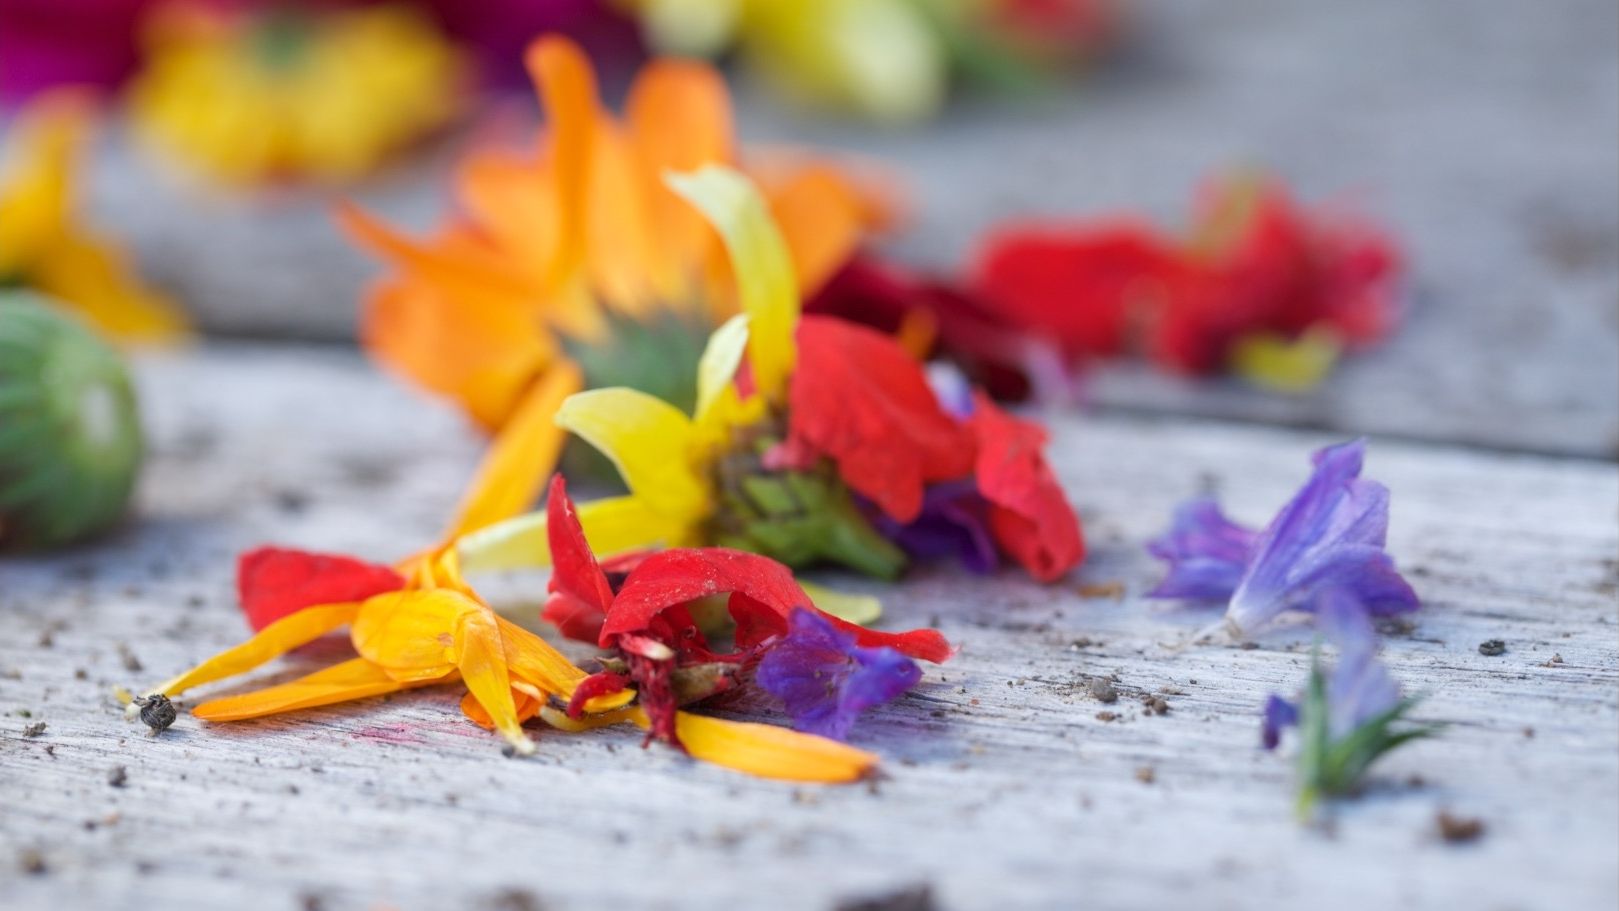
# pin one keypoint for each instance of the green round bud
(70, 437)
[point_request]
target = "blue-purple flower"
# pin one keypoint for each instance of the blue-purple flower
(1330, 538)
(825, 680)
(953, 524)
(1346, 719)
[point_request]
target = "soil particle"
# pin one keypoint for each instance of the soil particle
(118, 776)
(131, 663)
(1146, 774)
(1103, 690)
(1155, 705)
(911, 898)
(32, 862)
(1554, 661)
(1459, 830)
(515, 899)
(34, 730)
(1107, 716)
(1491, 648)
(1113, 590)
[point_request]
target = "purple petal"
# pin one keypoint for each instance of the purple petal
(1360, 687)
(1207, 553)
(825, 681)
(953, 524)
(1279, 715)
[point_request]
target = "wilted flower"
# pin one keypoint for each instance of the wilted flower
(825, 680)
(1328, 540)
(1347, 719)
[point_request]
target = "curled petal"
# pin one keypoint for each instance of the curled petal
(275, 582)
(1029, 513)
(1207, 553)
(825, 680)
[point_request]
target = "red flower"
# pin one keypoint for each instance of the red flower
(1028, 513)
(273, 582)
(858, 398)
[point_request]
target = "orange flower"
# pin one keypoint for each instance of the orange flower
(572, 252)
(435, 629)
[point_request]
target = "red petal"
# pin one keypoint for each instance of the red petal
(577, 584)
(1029, 513)
(274, 582)
(674, 577)
(1075, 285)
(858, 398)
(599, 684)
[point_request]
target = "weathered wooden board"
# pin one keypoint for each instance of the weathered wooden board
(1003, 789)
(1482, 131)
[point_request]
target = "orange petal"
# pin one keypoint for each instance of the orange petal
(353, 679)
(522, 456)
(536, 661)
(278, 638)
(411, 634)
(513, 198)
(481, 657)
(468, 273)
(567, 85)
(823, 219)
(560, 720)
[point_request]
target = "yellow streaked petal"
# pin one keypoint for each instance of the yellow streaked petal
(648, 439)
(521, 457)
(861, 609)
(481, 657)
(761, 264)
(716, 369)
(411, 634)
(534, 660)
(278, 638)
(353, 679)
(612, 526)
(559, 719)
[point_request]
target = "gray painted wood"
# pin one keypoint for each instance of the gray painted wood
(1002, 787)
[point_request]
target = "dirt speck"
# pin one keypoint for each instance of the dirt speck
(1113, 590)
(1107, 716)
(1154, 705)
(1103, 690)
(515, 899)
(34, 730)
(32, 862)
(1491, 648)
(1553, 661)
(1146, 774)
(127, 656)
(118, 776)
(1458, 830)
(911, 898)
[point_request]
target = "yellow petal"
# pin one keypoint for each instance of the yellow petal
(763, 268)
(1273, 362)
(536, 661)
(648, 439)
(612, 526)
(716, 369)
(36, 187)
(411, 634)
(353, 679)
(768, 751)
(521, 457)
(278, 638)
(481, 657)
(861, 609)
(559, 719)
(91, 275)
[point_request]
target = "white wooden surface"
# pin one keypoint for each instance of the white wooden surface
(1002, 788)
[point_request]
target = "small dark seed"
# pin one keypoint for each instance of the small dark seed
(157, 712)
(118, 776)
(1490, 648)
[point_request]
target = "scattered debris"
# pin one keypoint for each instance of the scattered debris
(157, 712)
(913, 898)
(1491, 648)
(1103, 690)
(118, 776)
(34, 730)
(515, 899)
(1146, 774)
(1396, 626)
(1459, 830)
(131, 663)
(1107, 716)
(32, 862)
(1155, 705)
(1113, 590)
(1083, 642)
(1553, 661)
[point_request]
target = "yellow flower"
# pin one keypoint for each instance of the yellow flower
(248, 97)
(42, 245)
(665, 457)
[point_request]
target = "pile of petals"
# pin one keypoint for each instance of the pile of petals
(421, 624)
(572, 264)
(248, 95)
(812, 439)
(887, 60)
(43, 245)
(1261, 287)
(1328, 541)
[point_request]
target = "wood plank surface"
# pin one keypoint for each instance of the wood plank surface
(1001, 789)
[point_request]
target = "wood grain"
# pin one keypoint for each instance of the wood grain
(1002, 787)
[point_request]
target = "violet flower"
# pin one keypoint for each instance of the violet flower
(1347, 719)
(825, 680)
(953, 524)
(1330, 537)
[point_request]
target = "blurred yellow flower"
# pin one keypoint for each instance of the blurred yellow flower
(42, 244)
(248, 97)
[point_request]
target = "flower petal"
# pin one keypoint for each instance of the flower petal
(277, 639)
(480, 656)
(1207, 553)
(567, 85)
(764, 271)
(1029, 515)
(768, 751)
(275, 582)
(411, 634)
(649, 441)
(521, 456)
(356, 678)
(612, 526)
